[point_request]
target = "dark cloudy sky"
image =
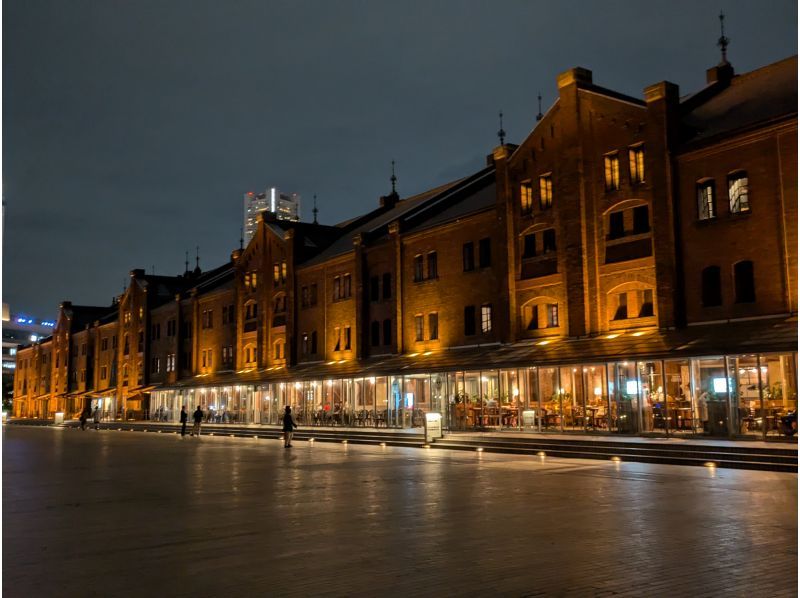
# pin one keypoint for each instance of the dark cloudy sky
(132, 128)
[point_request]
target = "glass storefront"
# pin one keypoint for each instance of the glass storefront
(716, 396)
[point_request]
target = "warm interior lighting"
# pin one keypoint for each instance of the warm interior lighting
(542, 343)
(640, 333)
(610, 336)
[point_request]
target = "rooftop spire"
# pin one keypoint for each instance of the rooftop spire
(539, 116)
(241, 238)
(501, 133)
(187, 261)
(315, 210)
(723, 41)
(394, 180)
(197, 259)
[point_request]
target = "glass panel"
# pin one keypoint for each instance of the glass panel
(381, 404)
(472, 397)
(439, 394)
(651, 394)
(416, 400)
(680, 409)
(627, 398)
(490, 395)
(711, 395)
(779, 380)
(748, 415)
(550, 397)
(511, 398)
(595, 390)
(571, 401)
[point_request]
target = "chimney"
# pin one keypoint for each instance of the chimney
(722, 74)
(576, 75)
(389, 201)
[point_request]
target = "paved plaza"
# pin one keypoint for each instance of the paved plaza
(110, 513)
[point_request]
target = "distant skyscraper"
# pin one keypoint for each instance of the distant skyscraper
(285, 206)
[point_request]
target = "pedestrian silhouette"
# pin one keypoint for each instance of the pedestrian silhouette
(198, 419)
(84, 416)
(288, 427)
(184, 419)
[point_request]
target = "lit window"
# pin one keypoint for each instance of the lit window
(705, 200)
(636, 159)
(738, 193)
(526, 197)
(611, 162)
(276, 273)
(552, 315)
(545, 191)
(486, 318)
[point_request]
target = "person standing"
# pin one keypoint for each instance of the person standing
(184, 419)
(84, 416)
(288, 427)
(96, 417)
(198, 419)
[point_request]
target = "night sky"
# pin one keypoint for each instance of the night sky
(132, 128)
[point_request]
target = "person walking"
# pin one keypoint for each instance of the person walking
(84, 416)
(96, 417)
(288, 427)
(184, 419)
(198, 419)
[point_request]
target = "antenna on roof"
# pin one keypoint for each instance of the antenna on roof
(539, 116)
(197, 256)
(241, 238)
(315, 210)
(723, 41)
(501, 133)
(187, 261)
(394, 180)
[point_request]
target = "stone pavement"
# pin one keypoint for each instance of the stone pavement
(108, 513)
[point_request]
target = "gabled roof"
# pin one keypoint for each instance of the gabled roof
(765, 95)
(375, 224)
(86, 315)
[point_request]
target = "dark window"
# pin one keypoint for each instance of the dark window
(337, 288)
(622, 307)
(346, 286)
(433, 326)
(711, 284)
(387, 286)
(304, 344)
(140, 344)
(641, 220)
(549, 240)
(646, 306)
(485, 253)
(375, 333)
(433, 268)
(533, 320)
(314, 342)
(744, 282)
(418, 271)
(616, 225)
(338, 346)
(469, 320)
(387, 332)
(468, 256)
(419, 328)
(374, 288)
(529, 246)
(347, 338)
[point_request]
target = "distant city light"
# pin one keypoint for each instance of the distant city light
(34, 337)
(9, 365)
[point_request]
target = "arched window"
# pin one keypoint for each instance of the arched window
(744, 282)
(711, 287)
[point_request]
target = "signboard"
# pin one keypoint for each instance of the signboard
(433, 426)
(529, 418)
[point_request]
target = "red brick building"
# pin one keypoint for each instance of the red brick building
(629, 267)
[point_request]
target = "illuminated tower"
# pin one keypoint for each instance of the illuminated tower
(286, 206)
